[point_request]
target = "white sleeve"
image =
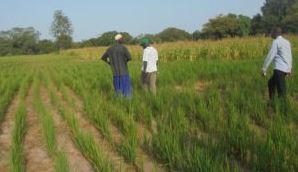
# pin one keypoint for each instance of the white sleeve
(272, 53)
(156, 55)
(291, 58)
(145, 56)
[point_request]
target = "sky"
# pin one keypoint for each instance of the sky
(90, 18)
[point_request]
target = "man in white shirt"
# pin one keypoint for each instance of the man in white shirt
(281, 55)
(149, 68)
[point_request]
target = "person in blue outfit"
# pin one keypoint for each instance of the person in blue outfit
(117, 57)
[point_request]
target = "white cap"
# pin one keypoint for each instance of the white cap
(118, 37)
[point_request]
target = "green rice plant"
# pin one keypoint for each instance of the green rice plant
(49, 131)
(127, 126)
(84, 141)
(17, 163)
(224, 126)
(16, 151)
(279, 151)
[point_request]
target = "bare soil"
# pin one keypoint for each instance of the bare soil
(77, 162)
(37, 158)
(117, 160)
(201, 86)
(6, 133)
(143, 162)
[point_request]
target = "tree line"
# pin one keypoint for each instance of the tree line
(281, 13)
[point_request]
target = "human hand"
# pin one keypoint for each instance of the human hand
(263, 73)
(289, 75)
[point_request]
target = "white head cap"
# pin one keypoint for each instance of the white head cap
(118, 37)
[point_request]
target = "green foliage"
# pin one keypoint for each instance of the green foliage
(46, 46)
(281, 13)
(291, 19)
(107, 39)
(173, 34)
(64, 42)
(229, 25)
(18, 41)
(61, 25)
(62, 30)
(196, 35)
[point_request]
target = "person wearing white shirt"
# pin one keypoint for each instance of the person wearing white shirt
(149, 67)
(281, 56)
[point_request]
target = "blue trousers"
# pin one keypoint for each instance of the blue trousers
(122, 85)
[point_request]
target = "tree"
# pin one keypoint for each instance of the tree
(108, 38)
(257, 25)
(62, 30)
(46, 46)
(281, 13)
(244, 25)
(64, 42)
(19, 41)
(196, 35)
(291, 20)
(153, 38)
(274, 12)
(173, 34)
(224, 26)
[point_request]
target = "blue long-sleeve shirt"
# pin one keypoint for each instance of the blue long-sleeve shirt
(280, 54)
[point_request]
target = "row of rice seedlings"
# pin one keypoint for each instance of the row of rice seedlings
(48, 128)
(16, 150)
(125, 122)
(121, 119)
(9, 89)
(226, 86)
(92, 106)
(84, 141)
(174, 145)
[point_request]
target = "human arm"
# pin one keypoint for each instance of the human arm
(272, 53)
(127, 55)
(145, 63)
(105, 57)
(145, 60)
(290, 61)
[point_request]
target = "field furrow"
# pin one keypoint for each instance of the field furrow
(143, 162)
(77, 161)
(5, 133)
(117, 160)
(36, 156)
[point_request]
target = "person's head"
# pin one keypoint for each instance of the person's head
(119, 38)
(145, 42)
(276, 32)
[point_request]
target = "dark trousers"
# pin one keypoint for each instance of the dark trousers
(277, 82)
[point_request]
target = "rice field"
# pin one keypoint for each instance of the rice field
(58, 112)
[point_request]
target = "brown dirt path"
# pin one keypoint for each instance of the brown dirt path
(117, 160)
(6, 133)
(143, 162)
(77, 162)
(36, 155)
